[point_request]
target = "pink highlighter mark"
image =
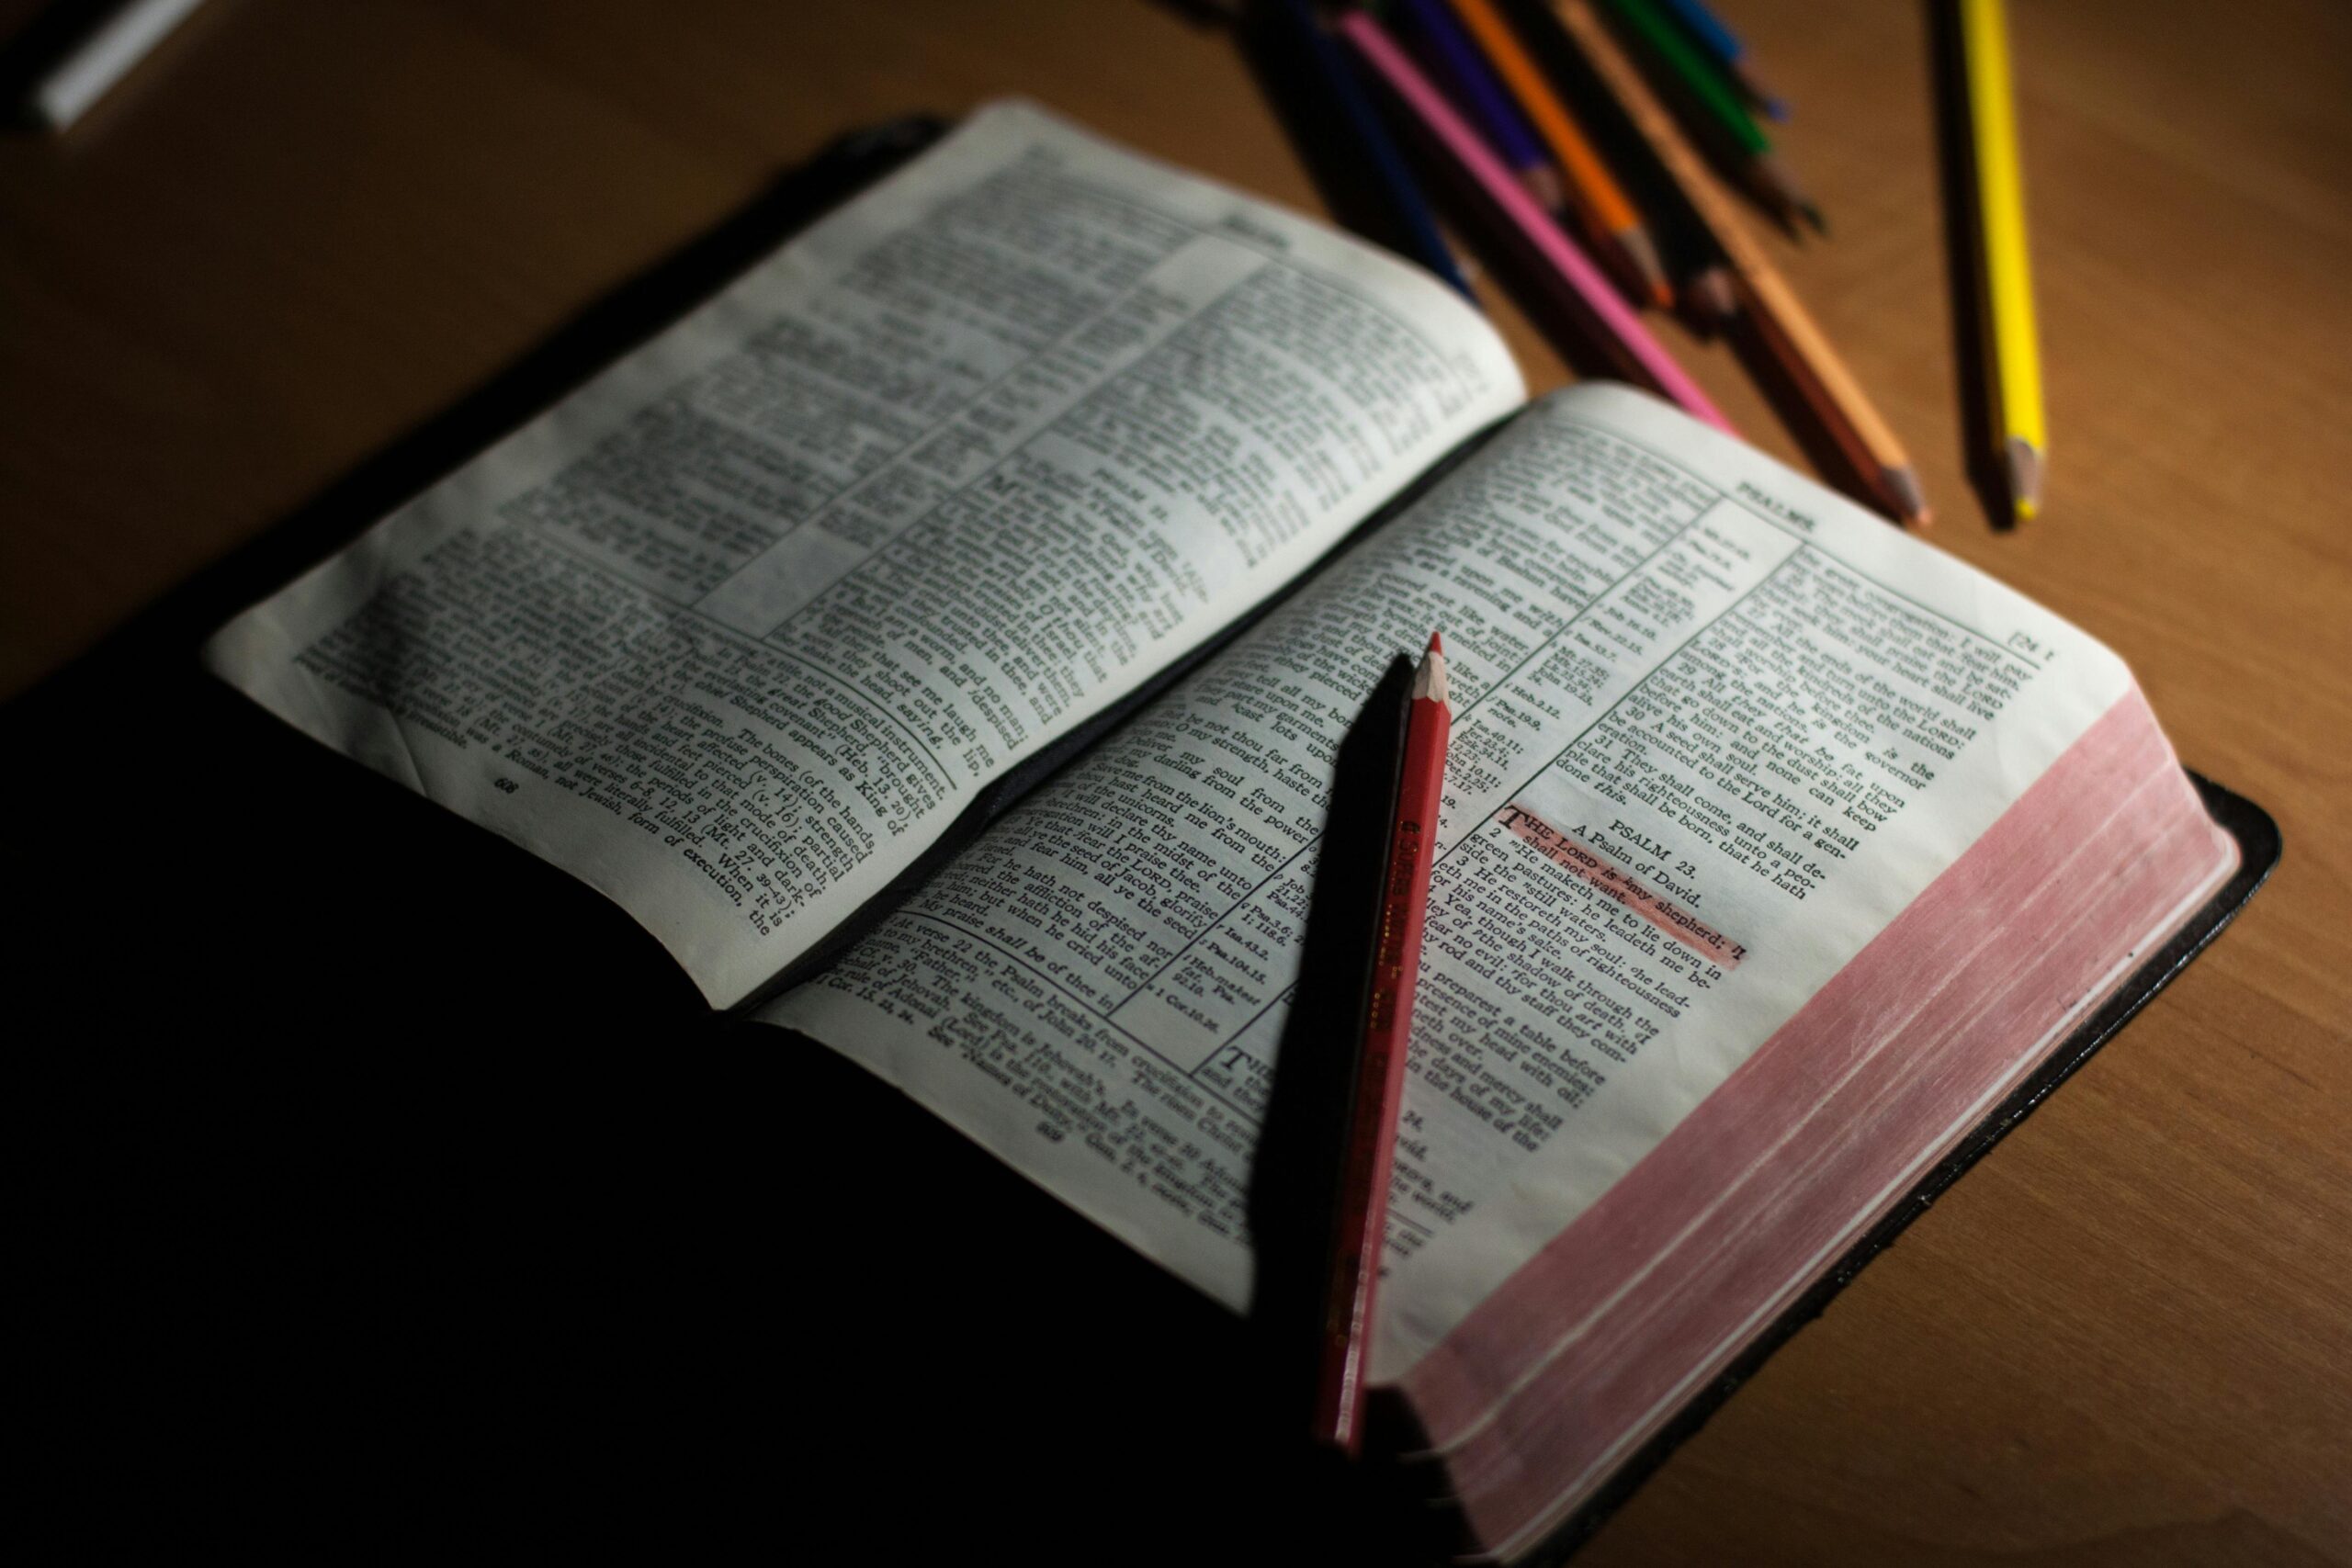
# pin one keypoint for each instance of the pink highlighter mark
(1623, 891)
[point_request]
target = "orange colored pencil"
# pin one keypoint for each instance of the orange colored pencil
(1614, 224)
(1889, 474)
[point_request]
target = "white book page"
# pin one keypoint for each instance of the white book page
(734, 631)
(1714, 728)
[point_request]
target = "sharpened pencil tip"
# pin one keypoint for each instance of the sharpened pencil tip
(1428, 680)
(1780, 188)
(1543, 183)
(1717, 300)
(2024, 469)
(1641, 255)
(1753, 89)
(1910, 498)
(1813, 216)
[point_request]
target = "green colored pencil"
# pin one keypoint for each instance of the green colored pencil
(1717, 99)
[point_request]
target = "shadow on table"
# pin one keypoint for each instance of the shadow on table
(1964, 274)
(1336, 164)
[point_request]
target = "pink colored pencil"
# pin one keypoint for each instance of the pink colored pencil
(1584, 281)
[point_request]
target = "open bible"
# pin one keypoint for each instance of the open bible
(939, 640)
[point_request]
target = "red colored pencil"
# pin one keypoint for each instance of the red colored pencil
(1380, 1071)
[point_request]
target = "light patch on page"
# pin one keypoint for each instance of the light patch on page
(736, 630)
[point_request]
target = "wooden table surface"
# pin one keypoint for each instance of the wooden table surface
(2126, 1337)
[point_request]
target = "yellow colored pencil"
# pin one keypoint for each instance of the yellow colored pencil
(2013, 367)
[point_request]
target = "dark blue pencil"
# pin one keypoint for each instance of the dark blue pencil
(1448, 52)
(1393, 210)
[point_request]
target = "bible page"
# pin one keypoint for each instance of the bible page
(735, 630)
(1713, 729)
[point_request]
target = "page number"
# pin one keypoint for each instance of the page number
(2031, 647)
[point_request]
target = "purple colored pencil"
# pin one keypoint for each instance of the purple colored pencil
(1482, 97)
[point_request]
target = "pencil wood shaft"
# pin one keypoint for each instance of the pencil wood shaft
(1712, 293)
(1767, 290)
(1543, 183)
(1768, 336)
(1762, 287)
(2014, 368)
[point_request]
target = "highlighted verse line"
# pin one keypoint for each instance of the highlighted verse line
(1623, 890)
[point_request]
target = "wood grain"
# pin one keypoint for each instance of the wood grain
(2126, 1337)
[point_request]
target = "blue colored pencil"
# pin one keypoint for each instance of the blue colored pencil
(1483, 100)
(1719, 41)
(1400, 212)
